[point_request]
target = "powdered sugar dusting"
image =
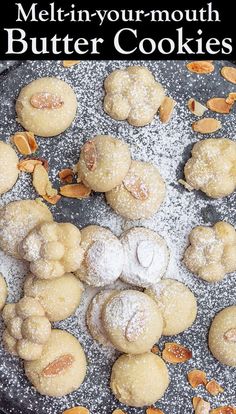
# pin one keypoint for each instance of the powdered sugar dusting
(166, 146)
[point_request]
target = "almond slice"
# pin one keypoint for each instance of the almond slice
(201, 406)
(166, 109)
(153, 410)
(25, 142)
(75, 191)
(196, 377)
(214, 388)
(66, 175)
(231, 98)
(206, 125)
(176, 353)
(70, 63)
(229, 73)
(201, 67)
(196, 107)
(135, 326)
(118, 411)
(90, 155)
(58, 366)
(185, 184)
(155, 350)
(224, 410)
(230, 335)
(136, 187)
(219, 105)
(77, 410)
(46, 100)
(52, 199)
(28, 165)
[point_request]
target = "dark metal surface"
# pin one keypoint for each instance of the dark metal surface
(17, 397)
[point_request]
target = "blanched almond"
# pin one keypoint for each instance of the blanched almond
(230, 335)
(136, 187)
(77, 410)
(75, 191)
(202, 67)
(214, 388)
(90, 155)
(46, 100)
(226, 409)
(25, 142)
(231, 98)
(166, 109)
(176, 353)
(69, 63)
(229, 73)
(206, 125)
(135, 326)
(196, 107)
(58, 366)
(196, 377)
(28, 165)
(153, 410)
(52, 199)
(66, 175)
(219, 105)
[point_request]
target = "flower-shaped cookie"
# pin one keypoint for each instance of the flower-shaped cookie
(212, 168)
(212, 251)
(27, 328)
(133, 94)
(52, 249)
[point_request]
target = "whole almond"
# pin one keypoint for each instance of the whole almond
(219, 105)
(229, 73)
(90, 155)
(176, 353)
(135, 326)
(58, 366)
(201, 67)
(230, 335)
(75, 191)
(206, 125)
(46, 100)
(77, 410)
(196, 107)
(166, 109)
(136, 187)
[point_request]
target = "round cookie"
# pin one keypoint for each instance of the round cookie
(59, 297)
(222, 336)
(146, 257)
(132, 321)
(139, 380)
(94, 316)
(104, 162)
(52, 249)
(211, 168)
(177, 304)
(133, 94)
(8, 167)
(212, 251)
(103, 258)
(46, 106)
(17, 219)
(61, 368)
(27, 328)
(3, 291)
(140, 194)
